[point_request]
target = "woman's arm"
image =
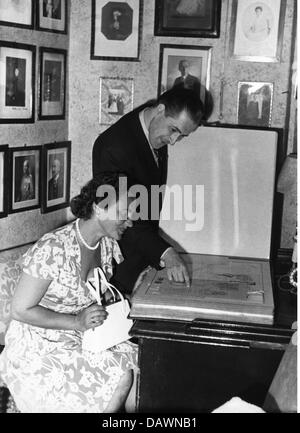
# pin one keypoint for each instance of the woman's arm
(25, 308)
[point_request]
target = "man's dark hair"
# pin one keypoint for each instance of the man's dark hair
(180, 99)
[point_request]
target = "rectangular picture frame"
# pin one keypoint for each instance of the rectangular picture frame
(17, 82)
(4, 184)
(52, 16)
(56, 166)
(116, 30)
(255, 103)
(256, 33)
(25, 178)
(116, 98)
(188, 18)
(52, 102)
(195, 60)
(17, 14)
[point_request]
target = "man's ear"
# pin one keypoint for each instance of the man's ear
(161, 108)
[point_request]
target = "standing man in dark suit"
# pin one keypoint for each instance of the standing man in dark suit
(137, 145)
(56, 183)
(186, 79)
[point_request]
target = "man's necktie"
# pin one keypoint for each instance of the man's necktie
(158, 156)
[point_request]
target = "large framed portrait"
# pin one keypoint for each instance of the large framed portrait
(56, 167)
(184, 65)
(17, 13)
(25, 176)
(17, 79)
(255, 100)
(52, 83)
(116, 99)
(116, 29)
(52, 15)
(188, 18)
(3, 180)
(257, 30)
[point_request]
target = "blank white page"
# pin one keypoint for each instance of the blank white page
(236, 168)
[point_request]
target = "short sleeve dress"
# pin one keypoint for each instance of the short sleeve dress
(46, 370)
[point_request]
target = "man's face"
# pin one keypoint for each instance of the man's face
(55, 167)
(184, 68)
(164, 130)
(26, 167)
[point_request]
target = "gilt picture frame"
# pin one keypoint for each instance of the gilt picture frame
(254, 105)
(116, 99)
(52, 16)
(116, 30)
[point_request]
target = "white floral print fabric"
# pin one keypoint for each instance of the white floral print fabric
(46, 370)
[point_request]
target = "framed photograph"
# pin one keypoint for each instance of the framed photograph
(255, 102)
(116, 29)
(52, 16)
(25, 178)
(116, 99)
(3, 180)
(52, 83)
(184, 65)
(17, 13)
(188, 18)
(257, 30)
(17, 82)
(56, 167)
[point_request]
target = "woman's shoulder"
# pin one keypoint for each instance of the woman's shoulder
(58, 238)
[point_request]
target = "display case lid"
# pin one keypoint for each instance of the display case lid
(226, 178)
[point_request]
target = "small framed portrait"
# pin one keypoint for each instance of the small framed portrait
(3, 180)
(255, 102)
(186, 66)
(188, 18)
(25, 178)
(17, 79)
(52, 15)
(116, 29)
(257, 30)
(52, 83)
(56, 165)
(17, 13)
(116, 99)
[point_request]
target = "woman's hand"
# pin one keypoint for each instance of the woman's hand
(90, 317)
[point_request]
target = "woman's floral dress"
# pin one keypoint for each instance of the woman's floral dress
(46, 370)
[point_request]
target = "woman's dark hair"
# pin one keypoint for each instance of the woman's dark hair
(82, 204)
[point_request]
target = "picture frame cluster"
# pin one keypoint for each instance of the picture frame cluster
(18, 63)
(33, 177)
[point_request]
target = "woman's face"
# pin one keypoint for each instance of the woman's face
(115, 220)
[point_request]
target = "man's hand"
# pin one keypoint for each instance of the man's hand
(176, 268)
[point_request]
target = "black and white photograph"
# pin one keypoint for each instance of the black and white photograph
(188, 18)
(184, 66)
(56, 182)
(116, 29)
(257, 30)
(17, 13)
(25, 178)
(52, 83)
(17, 82)
(52, 15)
(116, 99)
(255, 103)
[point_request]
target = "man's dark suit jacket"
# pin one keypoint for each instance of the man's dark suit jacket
(55, 189)
(124, 148)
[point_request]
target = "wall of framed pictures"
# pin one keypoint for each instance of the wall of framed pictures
(207, 29)
(33, 110)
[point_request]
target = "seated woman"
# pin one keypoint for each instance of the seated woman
(43, 364)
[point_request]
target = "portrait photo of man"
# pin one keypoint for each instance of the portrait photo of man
(24, 179)
(56, 181)
(15, 82)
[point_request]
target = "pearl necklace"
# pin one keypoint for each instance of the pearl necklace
(82, 240)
